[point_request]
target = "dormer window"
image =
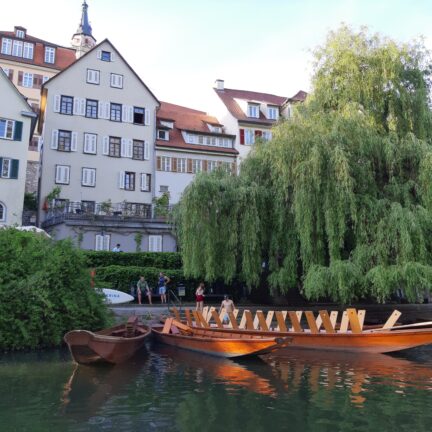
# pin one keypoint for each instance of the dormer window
(49, 55)
(253, 110)
(272, 113)
(20, 34)
(168, 124)
(215, 129)
(163, 135)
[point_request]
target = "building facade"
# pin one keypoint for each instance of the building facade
(250, 115)
(188, 142)
(98, 159)
(17, 122)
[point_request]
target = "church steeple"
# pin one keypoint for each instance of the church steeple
(83, 39)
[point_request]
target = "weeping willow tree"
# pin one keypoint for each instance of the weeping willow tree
(339, 203)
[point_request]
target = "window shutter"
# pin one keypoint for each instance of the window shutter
(121, 181)
(106, 242)
(56, 103)
(76, 106)
(123, 150)
(99, 54)
(242, 136)
(20, 77)
(130, 114)
(98, 242)
(151, 244)
(189, 166)
(107, 111)
(54, 139)
(125, 113)
(93, 145)
(89, 75)
(10, 74)
(112, 56)
(159, 243)
(147, 117)
(93, 177)
(204, 165)
(101, 109)
(74, 141)
(129, 148)
(145, 182)
(174, 164)
(14, 169)
(82, 107)
(58, 176)
(84, 178)
(18, 131)
(158, 163)
(146, 150)
(66, 174)
(87, 143)
(105, 145)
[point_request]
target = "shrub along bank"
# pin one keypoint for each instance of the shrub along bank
(44, 291)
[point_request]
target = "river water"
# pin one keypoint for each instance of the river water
(164, 389)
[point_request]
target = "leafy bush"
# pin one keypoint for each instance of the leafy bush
(171, 260)
(44, 291)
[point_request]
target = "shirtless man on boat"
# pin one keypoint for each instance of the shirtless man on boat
(227, 305)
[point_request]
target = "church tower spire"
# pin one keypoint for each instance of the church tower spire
(83, 39)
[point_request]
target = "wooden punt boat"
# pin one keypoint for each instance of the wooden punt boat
(113, 345)
(349, 335)
(226, 344)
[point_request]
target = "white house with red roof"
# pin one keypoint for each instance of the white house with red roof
(249, 115)
(188, 142)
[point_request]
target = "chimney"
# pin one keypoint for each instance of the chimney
(219, 84)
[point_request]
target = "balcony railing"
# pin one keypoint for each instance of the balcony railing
(60, 210)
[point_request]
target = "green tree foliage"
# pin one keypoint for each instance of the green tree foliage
(44, 291)
(339, 203)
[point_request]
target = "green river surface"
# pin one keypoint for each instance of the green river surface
(168, 389)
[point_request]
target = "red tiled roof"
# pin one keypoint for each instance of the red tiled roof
(63, 57)
(300, 96)
(188, 119)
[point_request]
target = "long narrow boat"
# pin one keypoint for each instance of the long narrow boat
(207, 341)
(113, 345)
(386, 339)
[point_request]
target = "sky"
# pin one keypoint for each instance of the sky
(179, 48)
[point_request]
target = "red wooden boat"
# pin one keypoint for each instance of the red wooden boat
(113, 345)
(207, 341)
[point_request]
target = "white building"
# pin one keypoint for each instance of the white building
(17, 121)
(98, 156)
(188, 142)
(250, 115)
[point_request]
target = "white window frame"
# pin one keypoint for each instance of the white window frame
(145, 182)
(249, 136)
(9, 127)
(163, 135)
(62, 174)
(253, 110)
(6, 47)
(90, 143)
(17, 48)
(181, 165)
(196, 166)
(28, 50)
(272, 113)
(155, 243)
(102, 242)
(166, 163)
(49, 55)
(211, 165)
(20, 34)
(88, 177)
(27, 80)
(116, 81)
(93, 76)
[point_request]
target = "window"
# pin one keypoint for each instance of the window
(253, 110)
(102, 242)
(93, 76)
(155, 243)
(163, 188)
(17, 48)
(114, 147)
(129, 181)
(66, 105)
(272, 113)
(139, 115)
(90, 143)
(2, 212)
(266, 135)
(138, 150)
(163, 135)
(27, 80)
(28, 50)
(64, 141)
(165, 163)
(6, 47)
(88, 177)
(216, 129)
(88, 206)
(6, 129)
(116, 80)
(249, 136)
(106, 56)
(20, 34)
(5, 167)
(145, 182)
(45, 79)
(49, 55)
(211, 165)
(196, 166)
(62, 174)
(116, 112)
(167, 124)
(181, 165)
(91, 108)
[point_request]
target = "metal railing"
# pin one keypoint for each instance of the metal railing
(173, 301)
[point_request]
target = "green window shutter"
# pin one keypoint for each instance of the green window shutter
(18, 131)
(14, 169)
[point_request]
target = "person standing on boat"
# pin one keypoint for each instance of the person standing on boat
(199, 296)
(162, 284)
(228, 306)
(142, 287)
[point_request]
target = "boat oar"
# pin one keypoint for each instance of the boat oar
(402, 327)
